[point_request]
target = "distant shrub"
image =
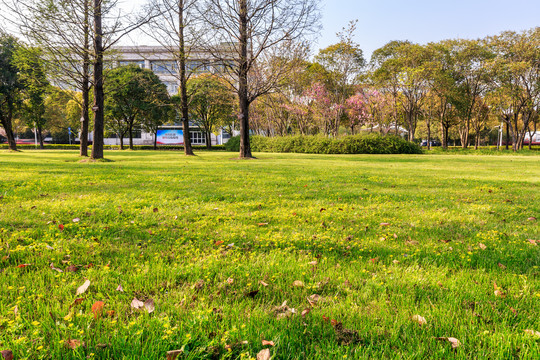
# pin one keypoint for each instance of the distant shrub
(356, 144)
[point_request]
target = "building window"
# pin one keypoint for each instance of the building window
(164, 67)
(172, 87)
(197, 138)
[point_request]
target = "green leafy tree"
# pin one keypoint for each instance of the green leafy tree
(10, 86)
(35, 87)
(212, 103)
(132, 94)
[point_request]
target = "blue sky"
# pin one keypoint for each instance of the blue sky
(423, 21)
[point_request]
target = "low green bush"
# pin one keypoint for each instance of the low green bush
(356, 144)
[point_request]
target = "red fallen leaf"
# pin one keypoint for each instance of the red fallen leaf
(334, 322)
(501, 266)
(110, 313)
(325, 318)
(89, 266)
(23, 266)
(262, 224)
(74, 344)
(97, 309)
(294, 214)
(218, 243)
(513, 311)
(374, 260)
(266, 342)
(77, 301)
(61, 227)
(7, 354)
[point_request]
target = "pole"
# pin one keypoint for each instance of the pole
(35, 135)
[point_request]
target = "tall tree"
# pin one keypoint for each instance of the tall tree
(35, 88)
(10, 86)
(244, 34)
(174, 29)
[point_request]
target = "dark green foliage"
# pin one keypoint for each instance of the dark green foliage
(356, 144)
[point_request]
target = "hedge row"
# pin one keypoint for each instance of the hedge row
(356, 144)
(112, 147)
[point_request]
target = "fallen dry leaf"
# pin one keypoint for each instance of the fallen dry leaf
(419, 319)
(136, 303)
(74, 344)
(263, 283)
(266, 342)
(149, 306)
(156, 210)
(533, 242)
(453, 341)
(120, 288)
(218, 243)
(55, 269)
(305, 312)
(72, 268)
(230, 281)
(22, 266)
(264, 355)
(61, 227)
(313, 299)
(262, 224)
(97, 309)
(76, 220)
(482, 246)
(173, 354)
(313, 263)
(7, 354)
(532, 218)
(501, 266)
(534, 333)
(385, 224)
(298, 283)
(82, 289)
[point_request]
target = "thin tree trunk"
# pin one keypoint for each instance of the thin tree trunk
(40, 137)
(208, 140)
(97, 147)
(85, 87)
(245, 146)
(507, 134)
(428, 124)
(188, 149)
(121, 141)
(130, 131)
(155, 140)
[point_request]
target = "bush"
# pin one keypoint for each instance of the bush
(356, 144)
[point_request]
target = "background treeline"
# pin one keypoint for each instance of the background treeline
(456, 91)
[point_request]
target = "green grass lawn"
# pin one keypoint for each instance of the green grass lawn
(220, 245)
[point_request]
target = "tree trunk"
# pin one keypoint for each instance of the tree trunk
(130, 130)
(444, 143)
(507, 133)
(6, 124)
(188, 149)
(40, 137)
(243, 99)
(97, 147)
(428, 124)
(85, 87)
(155, 140)
(208, 139)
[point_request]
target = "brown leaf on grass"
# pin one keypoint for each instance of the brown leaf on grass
(61, 227)
(72, 268)
(22, 266)
(7, 354)
(395, 262)
(136, 303)
(482, 246)
(120, 288)
(156, 210)
(266, 342)
(173, 354)
(149, 305)
(533, 333)
(77, 301)
(305, 312)
(325, 318)
(82, 289)
(218, 243)
(313, 299)
(97, 309)
(55, 269)
(313, 263)
(532, 218)
(514, 311)
(263, 283)
(264, 354)
(420, 320)
(533, 242)
(74, 344)
(453, 341)
(283, 311)
(76, 220)
(230, 281)
(298, 283)
(385, 224)
(501, 266)
(262, 224)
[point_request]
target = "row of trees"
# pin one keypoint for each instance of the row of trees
(459, 86)
(243, 36)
